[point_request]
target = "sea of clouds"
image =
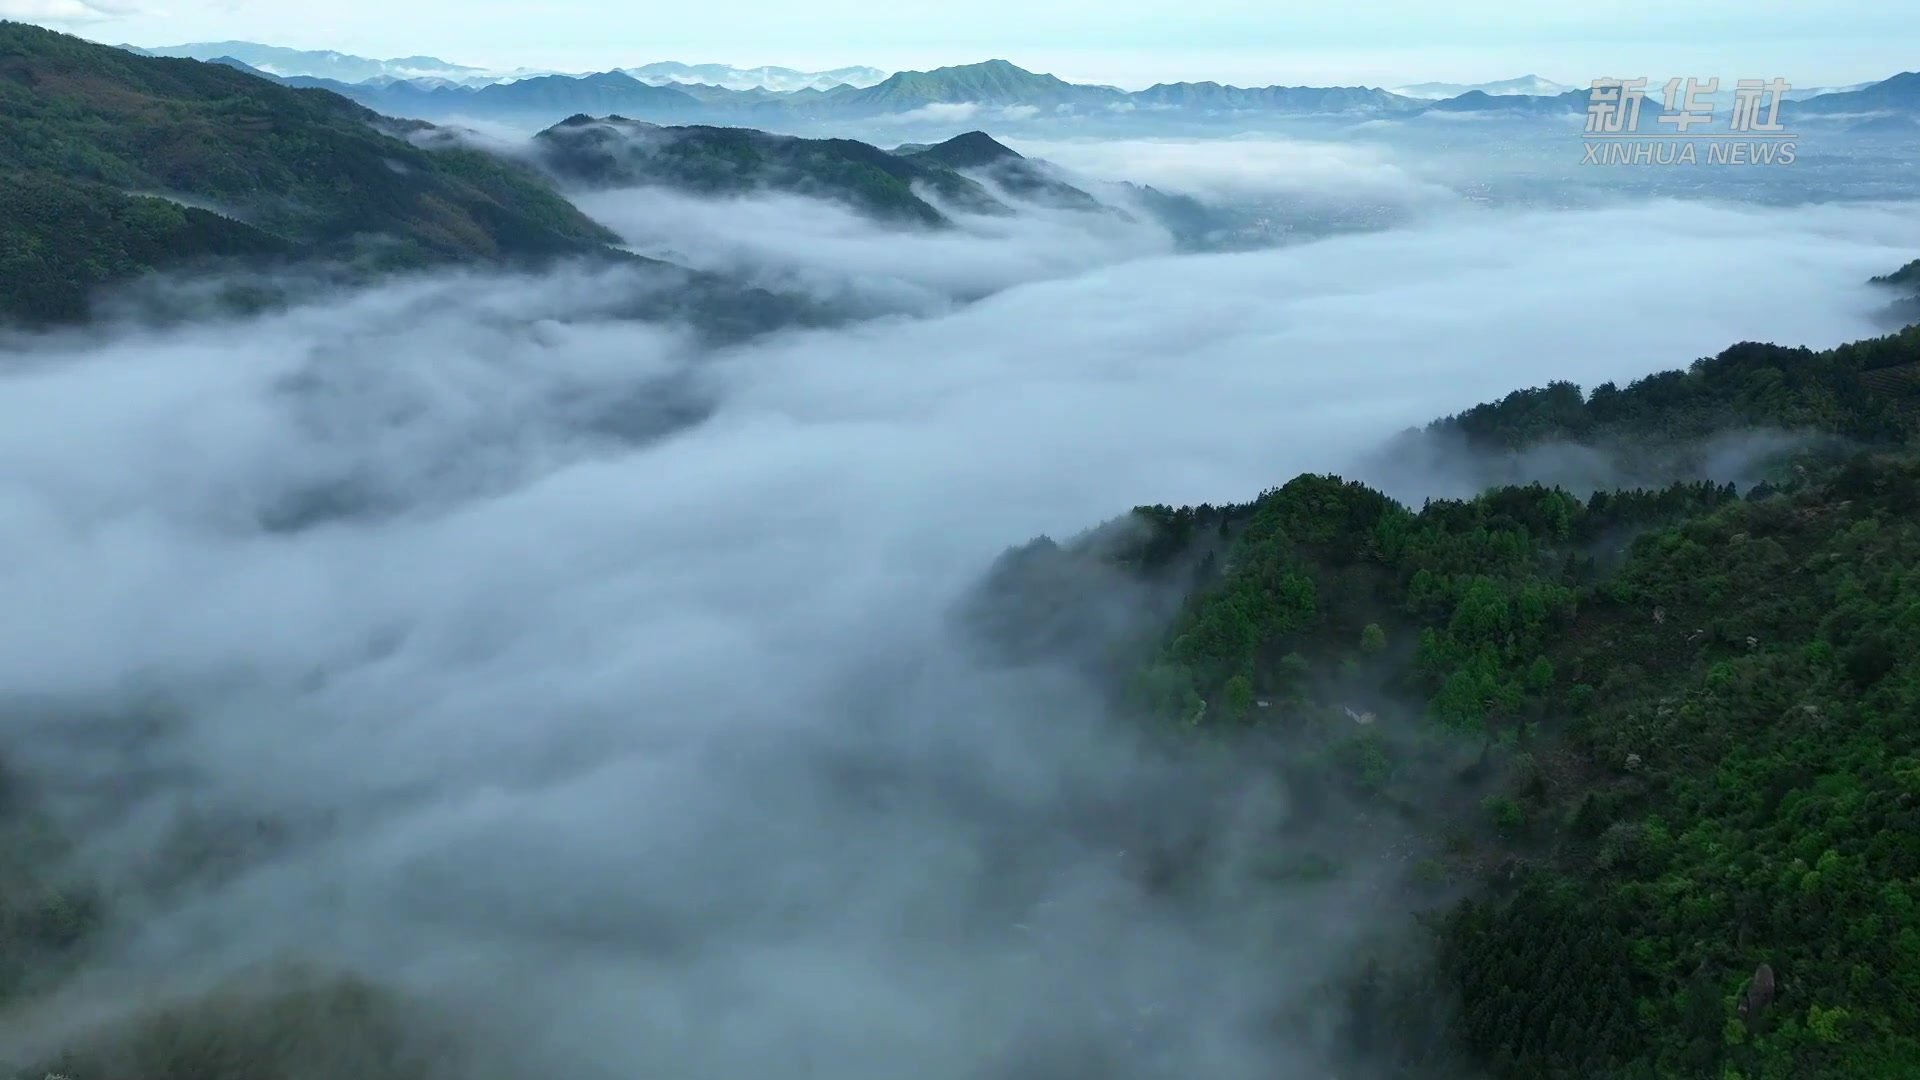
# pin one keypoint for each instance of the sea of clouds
(597, 684)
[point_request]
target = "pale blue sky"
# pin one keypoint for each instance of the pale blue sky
(1125, 42)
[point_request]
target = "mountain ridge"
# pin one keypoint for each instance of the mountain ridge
(114, 165)
(322, 63)
(704, 160)
(349, 68)
(1018, 95)
(993, 84)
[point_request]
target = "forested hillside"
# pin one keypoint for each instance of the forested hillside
(90, 134)
(1904, 283)
(892, 187)
(1663, 740)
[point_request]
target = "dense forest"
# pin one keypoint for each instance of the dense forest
(1662, 739)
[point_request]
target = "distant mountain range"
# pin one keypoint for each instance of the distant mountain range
(346, 68)
(275, 60)
(1529, 85)
(671, 94)
(994, 84)
(118, 165)
(1891, 106)
(540, 97)
(1479, 101)
(1800, 93)
(1535, 86)
(1899, 95)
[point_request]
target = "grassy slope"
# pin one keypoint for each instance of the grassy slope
(84, 128)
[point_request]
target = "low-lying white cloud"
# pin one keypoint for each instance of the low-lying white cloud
(938, 112)
(833, 251)
(1249, 167)
(656, 755)
(949, 113)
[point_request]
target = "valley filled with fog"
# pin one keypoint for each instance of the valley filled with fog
(593, 685)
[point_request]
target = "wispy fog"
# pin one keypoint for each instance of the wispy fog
(600, 690)
(1251, 167)
(832, 252)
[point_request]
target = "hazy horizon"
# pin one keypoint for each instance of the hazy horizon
(1132, 45)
